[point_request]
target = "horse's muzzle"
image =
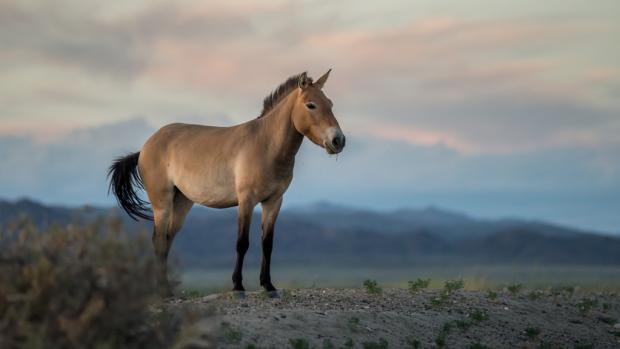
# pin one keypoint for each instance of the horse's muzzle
(335, 141)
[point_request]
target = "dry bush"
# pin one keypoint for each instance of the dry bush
(79, 287)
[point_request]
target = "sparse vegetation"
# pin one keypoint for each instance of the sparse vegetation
(413, 343)
(532, 332)
(231, 334)
(452, 286)
(479, 315)
(492, 295)
(286, 295)
(463, 325)
(192, 294)
(535, 295)
(372, 287)
(327, 344)
(348, 343)
(381, 344)
(514, 289)
(299, 343)
(440, 340)
(586, 304)
(353, 324)
(478, 345)
(79, 287)
(419, 284)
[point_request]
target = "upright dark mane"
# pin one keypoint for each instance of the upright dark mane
(280, 92)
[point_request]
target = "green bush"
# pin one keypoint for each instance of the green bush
(372, 287)
(418, 284)
(89, 287)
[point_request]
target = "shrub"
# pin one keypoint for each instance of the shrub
(532, 332)
(78, 288)
(372, 287)
(418, 284)
(452, 286)
(514, 289)
(492, 295)
(299, 343)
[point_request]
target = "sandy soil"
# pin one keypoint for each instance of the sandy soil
(396, 318)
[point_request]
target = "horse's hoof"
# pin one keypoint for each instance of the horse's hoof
(237, 294)
(273, 294)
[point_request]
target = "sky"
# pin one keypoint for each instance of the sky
(492, 108)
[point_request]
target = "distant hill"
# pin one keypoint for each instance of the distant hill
(327, 234)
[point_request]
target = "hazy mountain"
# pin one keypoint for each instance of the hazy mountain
(323, 233)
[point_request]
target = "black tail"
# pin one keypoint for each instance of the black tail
(124, 178)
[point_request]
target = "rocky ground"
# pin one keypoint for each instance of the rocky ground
(397, 318)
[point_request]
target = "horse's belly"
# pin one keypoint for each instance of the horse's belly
(210, 193)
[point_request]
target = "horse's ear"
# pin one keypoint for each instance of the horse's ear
(321, 81)
(303, 80)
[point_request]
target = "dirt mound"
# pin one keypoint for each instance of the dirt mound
(398, 318)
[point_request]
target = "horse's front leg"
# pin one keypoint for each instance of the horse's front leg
(244, 220)
(269, 216)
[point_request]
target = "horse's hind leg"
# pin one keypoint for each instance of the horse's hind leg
(169, 214)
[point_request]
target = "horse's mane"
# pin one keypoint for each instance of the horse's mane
(280, 92)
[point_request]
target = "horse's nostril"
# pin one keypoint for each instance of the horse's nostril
(336, 142)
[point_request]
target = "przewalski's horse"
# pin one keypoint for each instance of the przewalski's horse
(220, 167)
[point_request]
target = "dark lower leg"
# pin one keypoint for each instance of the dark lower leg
(265, 270)
(161, 254)
(242, 247)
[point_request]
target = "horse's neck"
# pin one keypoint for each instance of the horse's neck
(279, 132)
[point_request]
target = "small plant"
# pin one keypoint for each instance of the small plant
(251, 346)
(535, 295)
(286, 295)
(478, 345)
(479, 315)
(372, 287)
(440, 300)
(514, 289)
(606, 307)
(354, 323)
(192, 294)
(585, 305)
(327, 344)
(381, 344)
(440, 340)
(231, 334)
(452, 286)
(463, 325)
(532, 332)
(348, 344)
(418, 284)
(299, 343)
(492, 295)
(413, 343)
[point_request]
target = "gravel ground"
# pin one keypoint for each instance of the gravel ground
(396, 318)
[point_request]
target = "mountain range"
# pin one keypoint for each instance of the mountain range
(328, 234)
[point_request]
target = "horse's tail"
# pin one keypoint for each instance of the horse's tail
(124, 179)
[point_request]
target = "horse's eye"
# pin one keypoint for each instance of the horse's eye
(310, 105)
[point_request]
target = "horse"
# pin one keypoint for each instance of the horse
(219, 167)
